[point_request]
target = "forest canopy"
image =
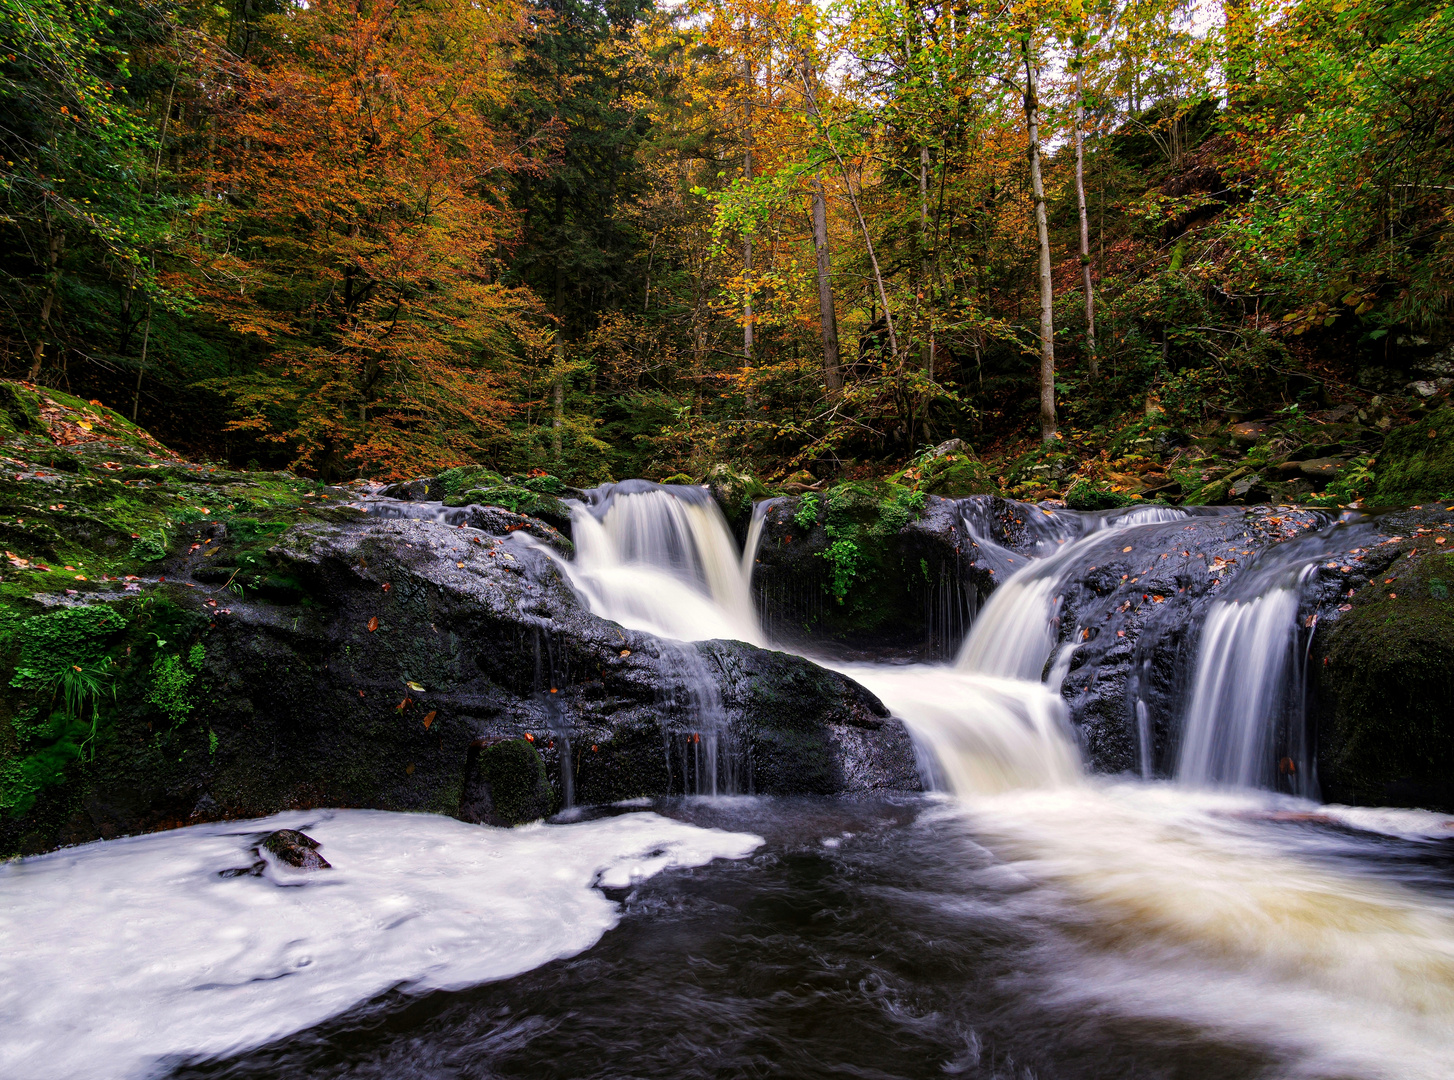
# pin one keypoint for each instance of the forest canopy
(389, 237)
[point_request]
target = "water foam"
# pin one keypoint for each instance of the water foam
(127, 955)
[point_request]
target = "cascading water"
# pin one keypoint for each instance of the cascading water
(661, 559)
(1244, 724)
(1017, 630)
(1111, 928)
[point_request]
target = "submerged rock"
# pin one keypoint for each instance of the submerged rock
(295, 848)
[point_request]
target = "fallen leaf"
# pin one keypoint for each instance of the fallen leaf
(1345, 607)
(403, 705)
(1393, 596)
(387, 586)
(460, 565)
(415, 687)
(373, 624)
(625, 652)
(410, 768)
(429, 717)
(1126, 548)
(529, 737)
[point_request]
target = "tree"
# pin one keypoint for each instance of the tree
(367, 225)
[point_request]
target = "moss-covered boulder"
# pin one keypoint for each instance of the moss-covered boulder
(734, 490)
(1416, 464)
(1083, 495)
(505, 783)
(867, 566)
(1385, 671)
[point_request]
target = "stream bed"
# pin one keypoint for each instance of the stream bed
(1108, 929)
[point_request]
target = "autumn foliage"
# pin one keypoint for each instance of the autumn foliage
(366, 235)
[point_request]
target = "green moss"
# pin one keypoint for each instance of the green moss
(171, 688)
(1389, 671)
(56, 641)
(1083, 495)
(516, 775)
(1417, 462)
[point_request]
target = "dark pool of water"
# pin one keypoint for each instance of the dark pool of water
(891, 950)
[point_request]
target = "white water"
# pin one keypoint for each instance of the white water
(1238, 914)
(1240, 692)
(124, 955)
(1172, 903)
(1016, 630)
(666, 564)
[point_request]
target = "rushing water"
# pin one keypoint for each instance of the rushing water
(1031, 921)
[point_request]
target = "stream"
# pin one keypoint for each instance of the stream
(1025, 919)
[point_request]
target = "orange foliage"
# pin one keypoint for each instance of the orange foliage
(365, 202)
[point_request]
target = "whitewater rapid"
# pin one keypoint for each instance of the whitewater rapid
(125, 958)
(1173, 902)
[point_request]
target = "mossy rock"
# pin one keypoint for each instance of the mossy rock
(680, 479)
(1387, 682)
(1417, 462)
(955, 476)
(505, 783)
(1083, 495)
(734, 491)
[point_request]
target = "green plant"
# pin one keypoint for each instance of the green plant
(171, 683)
(807, 515)
(843, 556)
(151, 545)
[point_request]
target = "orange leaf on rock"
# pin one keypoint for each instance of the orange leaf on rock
(429, 717)
(373, 624)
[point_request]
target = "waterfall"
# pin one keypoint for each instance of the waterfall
(1241, 691)
(661, 559)
(1018, 628)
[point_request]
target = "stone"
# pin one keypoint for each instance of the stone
(297, 849)
(949, 446)
(1385, 679)
(305, 705)
(1249, 433)
(504, 783)
(1416, 463)
(1321, 470)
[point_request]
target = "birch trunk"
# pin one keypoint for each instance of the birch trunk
(1085, 259)
(1042, 229)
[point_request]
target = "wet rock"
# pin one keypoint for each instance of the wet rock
(1248, 489)
(408, 640)
(734, 491)
(504, 783)
(1384, 673)
(295, 848)
(908, 584)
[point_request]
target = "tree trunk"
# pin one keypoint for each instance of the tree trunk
(54, 249)
(1047, 287)
(832, 371)
(1085, 259)
(806, 74)
(141, 367)
(924, 282)
(747, 78)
